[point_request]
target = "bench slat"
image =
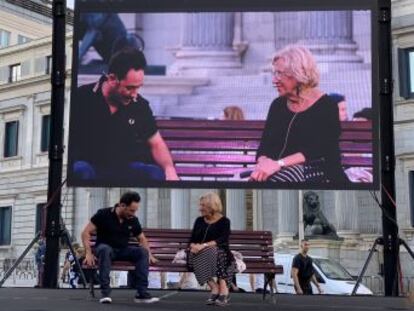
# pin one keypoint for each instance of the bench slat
(214, 124)
(216, 145)
(197, 134)
(251, 159)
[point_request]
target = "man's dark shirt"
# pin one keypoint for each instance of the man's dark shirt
(108, 140)
(305, 267)
(110, 231)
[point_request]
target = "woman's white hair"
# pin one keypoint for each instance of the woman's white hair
(300, 64)
(212, 201)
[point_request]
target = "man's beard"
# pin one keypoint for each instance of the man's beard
(118, 100)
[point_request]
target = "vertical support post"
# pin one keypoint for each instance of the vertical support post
(389, 224)
(50, 276)
(301, 228)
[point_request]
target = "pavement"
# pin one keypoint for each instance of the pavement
(31, 299)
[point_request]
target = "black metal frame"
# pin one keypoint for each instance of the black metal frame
(378, 241)
(382, 93)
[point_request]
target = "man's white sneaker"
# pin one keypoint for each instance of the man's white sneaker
(105, 300)
(145, 298)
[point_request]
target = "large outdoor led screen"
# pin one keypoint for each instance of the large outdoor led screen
(225, 94)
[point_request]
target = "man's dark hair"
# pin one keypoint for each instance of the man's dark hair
(365, 113)
(126, 59)
(337, 98)
(128, 197)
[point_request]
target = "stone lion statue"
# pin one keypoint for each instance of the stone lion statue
(313, 216)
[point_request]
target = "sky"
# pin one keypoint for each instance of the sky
(69, 3)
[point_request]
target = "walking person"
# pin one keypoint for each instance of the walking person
(303, 272)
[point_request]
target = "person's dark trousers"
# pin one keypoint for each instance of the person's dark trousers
(306, 288)
(106, 254)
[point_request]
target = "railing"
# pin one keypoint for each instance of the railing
(376, 284)
(24, 275)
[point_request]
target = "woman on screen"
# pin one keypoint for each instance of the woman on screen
(300, 142)
(210, 255)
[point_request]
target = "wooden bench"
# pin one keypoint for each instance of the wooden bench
(216, 149)
(255, 246)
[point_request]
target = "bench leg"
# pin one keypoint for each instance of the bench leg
(92, 288)
(269, 280)
(266, 282)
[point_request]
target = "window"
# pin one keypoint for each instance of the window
(22, 39)
(4, 38)
(11, 139)
(411, 192)
(39, 217)
(5, 225)
(49, 64)
(15, 73)
(406, 72)
(44, 139)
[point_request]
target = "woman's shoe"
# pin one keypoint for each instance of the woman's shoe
(222, 300)
(212, 299)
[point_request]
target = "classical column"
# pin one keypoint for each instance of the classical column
(328, 34)
(97, 199)
(286, 28)
(236, 208)
(369, 215)
(270, 211)
(206, 45)
(180, 209)
(346, 210)
(153, 208)
(257, 209)
(142, 211)
(288, 206)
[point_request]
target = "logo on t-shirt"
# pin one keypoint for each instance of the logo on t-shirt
(131, 121)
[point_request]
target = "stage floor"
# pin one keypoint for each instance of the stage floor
(30, 299)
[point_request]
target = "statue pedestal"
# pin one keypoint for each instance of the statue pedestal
(330, 248)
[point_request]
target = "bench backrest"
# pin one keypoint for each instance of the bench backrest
(216, 148)
(255, 246)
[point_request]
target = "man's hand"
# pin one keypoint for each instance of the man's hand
(299, 291)
(152, 260)
(89, 260)
(320, 289)
(171, 174)
(265, 168)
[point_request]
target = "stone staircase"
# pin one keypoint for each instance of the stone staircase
(254, 93)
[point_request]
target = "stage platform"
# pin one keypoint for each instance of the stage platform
(30, 299)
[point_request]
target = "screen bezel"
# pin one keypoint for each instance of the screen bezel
(158, 6)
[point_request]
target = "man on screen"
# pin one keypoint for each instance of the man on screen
(114, 137)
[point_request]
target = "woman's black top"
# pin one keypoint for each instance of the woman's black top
(218, 231)
(314, 133)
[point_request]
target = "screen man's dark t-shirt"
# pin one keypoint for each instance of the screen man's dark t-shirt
(306, 270)
(106, 140)
(112, 232)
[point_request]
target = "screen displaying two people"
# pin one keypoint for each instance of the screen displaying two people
(272, 99)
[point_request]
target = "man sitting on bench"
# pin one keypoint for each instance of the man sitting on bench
(114, 226)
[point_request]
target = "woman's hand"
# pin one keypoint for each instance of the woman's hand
(196, 248)
(152, 260)
(265, 168)
(90, 259)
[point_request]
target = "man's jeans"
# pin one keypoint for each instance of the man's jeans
(139, 255)
(131, 172)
